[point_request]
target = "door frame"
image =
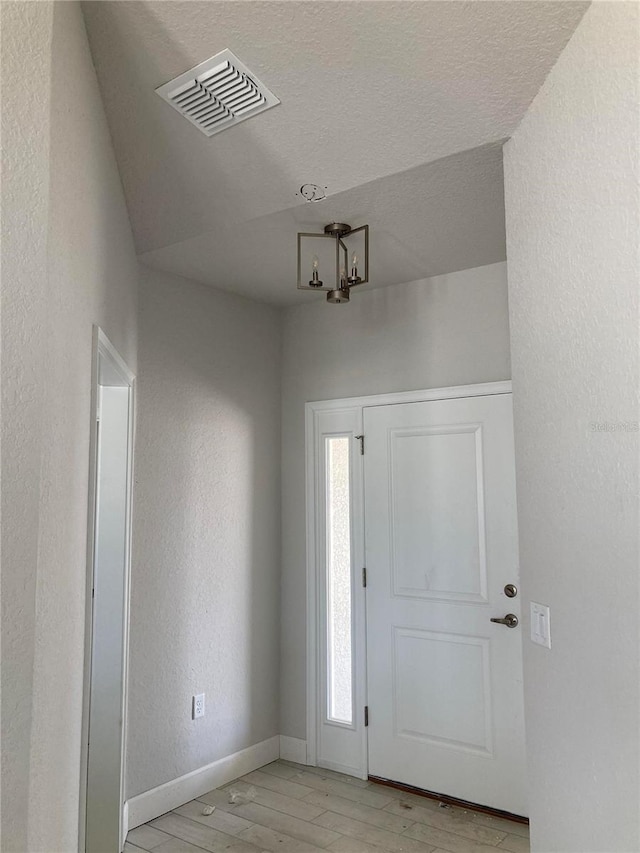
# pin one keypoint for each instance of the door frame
(104, 352)
(313, 412)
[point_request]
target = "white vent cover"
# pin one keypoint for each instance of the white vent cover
(218, 93)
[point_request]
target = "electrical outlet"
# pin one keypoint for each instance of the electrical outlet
(197, 708)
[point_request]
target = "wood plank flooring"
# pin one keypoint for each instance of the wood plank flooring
(289, 808)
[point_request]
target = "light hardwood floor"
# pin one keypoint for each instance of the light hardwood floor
(295, 809)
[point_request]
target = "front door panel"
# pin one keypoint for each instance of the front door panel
(445, 683)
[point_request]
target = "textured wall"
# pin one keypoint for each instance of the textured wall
(449, 330)
(206, 560)
(25, 190)
(571, 177)
(64, 194)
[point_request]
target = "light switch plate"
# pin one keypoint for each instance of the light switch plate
(540, 625)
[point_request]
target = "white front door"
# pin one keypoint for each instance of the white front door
(444, 682)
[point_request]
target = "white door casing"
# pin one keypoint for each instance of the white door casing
(444, 683)
(102, 819)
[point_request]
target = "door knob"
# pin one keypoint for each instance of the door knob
(510, 620)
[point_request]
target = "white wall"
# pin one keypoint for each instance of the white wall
(449, 330)
(25, 187)
(206, 536)
(573, 220)
(68, 262)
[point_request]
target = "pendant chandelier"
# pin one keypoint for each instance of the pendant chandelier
(334, 261)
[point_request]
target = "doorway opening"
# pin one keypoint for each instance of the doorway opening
(102, 818)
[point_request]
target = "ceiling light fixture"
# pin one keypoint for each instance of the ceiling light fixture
(340, 248)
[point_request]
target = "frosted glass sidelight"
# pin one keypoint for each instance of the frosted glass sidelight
(339, 635)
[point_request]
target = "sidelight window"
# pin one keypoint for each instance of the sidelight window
(339, 580)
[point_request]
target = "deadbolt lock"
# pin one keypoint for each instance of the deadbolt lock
(511, 590)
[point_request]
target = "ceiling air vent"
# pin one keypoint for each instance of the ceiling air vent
(218, 93)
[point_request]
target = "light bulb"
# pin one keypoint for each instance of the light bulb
(315, 278)
(343, 274)
(354, 267)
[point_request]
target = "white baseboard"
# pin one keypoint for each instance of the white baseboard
(179, 791)
(293, 749)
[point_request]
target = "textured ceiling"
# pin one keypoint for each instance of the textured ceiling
(426, 221)
(367, 90)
